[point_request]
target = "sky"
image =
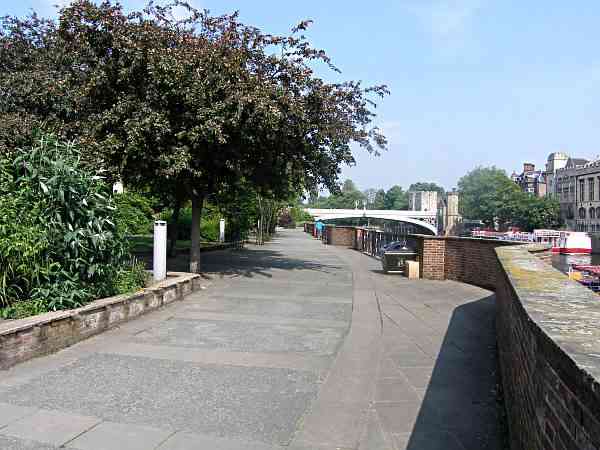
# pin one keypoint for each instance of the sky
(473, 82)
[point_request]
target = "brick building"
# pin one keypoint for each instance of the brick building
(530, 180)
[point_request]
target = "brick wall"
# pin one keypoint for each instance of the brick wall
(466, 260)
(309, 227)
(547, 333)
(342, 236)
(548, 343)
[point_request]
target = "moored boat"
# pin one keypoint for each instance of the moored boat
(573, 243)
(587, 275)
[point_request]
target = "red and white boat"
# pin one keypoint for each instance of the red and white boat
(573, 243)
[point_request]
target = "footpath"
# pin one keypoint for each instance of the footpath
(292, 345)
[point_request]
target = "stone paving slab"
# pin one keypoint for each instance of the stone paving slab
(342, 298)
(11, 413)
(262, 404)
(302, 308)
(242, 337)
(50, 427)
(11, 443)
(260, 319)
(287, 360)
(111, 436)
(191, 441)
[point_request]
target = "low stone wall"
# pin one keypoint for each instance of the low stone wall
(24, 339)
(549, 347)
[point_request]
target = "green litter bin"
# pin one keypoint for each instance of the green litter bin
(395, 260)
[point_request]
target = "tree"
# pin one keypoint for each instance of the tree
(187, 106)
(536, 212)
(424, 186)
(488, 194)
(379, 200)
(396, 198)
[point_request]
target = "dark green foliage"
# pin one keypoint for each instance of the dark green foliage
(299, 216)
(134, 214)
(396, 198)
(347, 196)
(59, 245)
(426, 186)
(130, 279)
(209, 226)
(488, 194)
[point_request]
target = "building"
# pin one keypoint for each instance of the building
(577, 188)
(423, 201)
(530, 180)
(556, 161)
(449, 219)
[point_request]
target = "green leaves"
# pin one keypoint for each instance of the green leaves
(488, 194)
(59, 245)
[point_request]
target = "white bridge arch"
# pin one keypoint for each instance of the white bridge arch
(424, 219)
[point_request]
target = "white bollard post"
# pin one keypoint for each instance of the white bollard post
(222, 230)
(160, 250)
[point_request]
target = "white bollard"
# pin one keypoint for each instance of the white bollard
(159, 268)
(222, 230)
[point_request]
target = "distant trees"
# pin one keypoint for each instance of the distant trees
(488, 194)
(396, 198)
(425, 186)
(349, 196)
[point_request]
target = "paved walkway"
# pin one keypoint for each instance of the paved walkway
(293, 345)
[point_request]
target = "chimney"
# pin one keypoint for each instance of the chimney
(528, 167)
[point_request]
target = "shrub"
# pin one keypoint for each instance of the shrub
(209, 224)
(59, 243)
(134, 214)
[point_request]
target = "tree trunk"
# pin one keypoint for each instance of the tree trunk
(197, 203)
(173, 227)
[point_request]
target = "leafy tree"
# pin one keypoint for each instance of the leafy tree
(488, 194)
(423, 186)
(187, 106)
(396, 198)
(379, 200)
(346, 197)
(533, 212)
(134, 214)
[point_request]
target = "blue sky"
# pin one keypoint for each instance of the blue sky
(474, 82)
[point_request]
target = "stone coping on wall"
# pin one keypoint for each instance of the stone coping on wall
(464, 238)
(27, 338)
(563, 310)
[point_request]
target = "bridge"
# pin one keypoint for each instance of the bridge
(425, 219)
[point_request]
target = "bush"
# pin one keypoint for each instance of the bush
(59, 243)
(209, 223)
(134, 213)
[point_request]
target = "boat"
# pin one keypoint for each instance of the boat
(562, 242)
(573, 243)
(587, 275)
